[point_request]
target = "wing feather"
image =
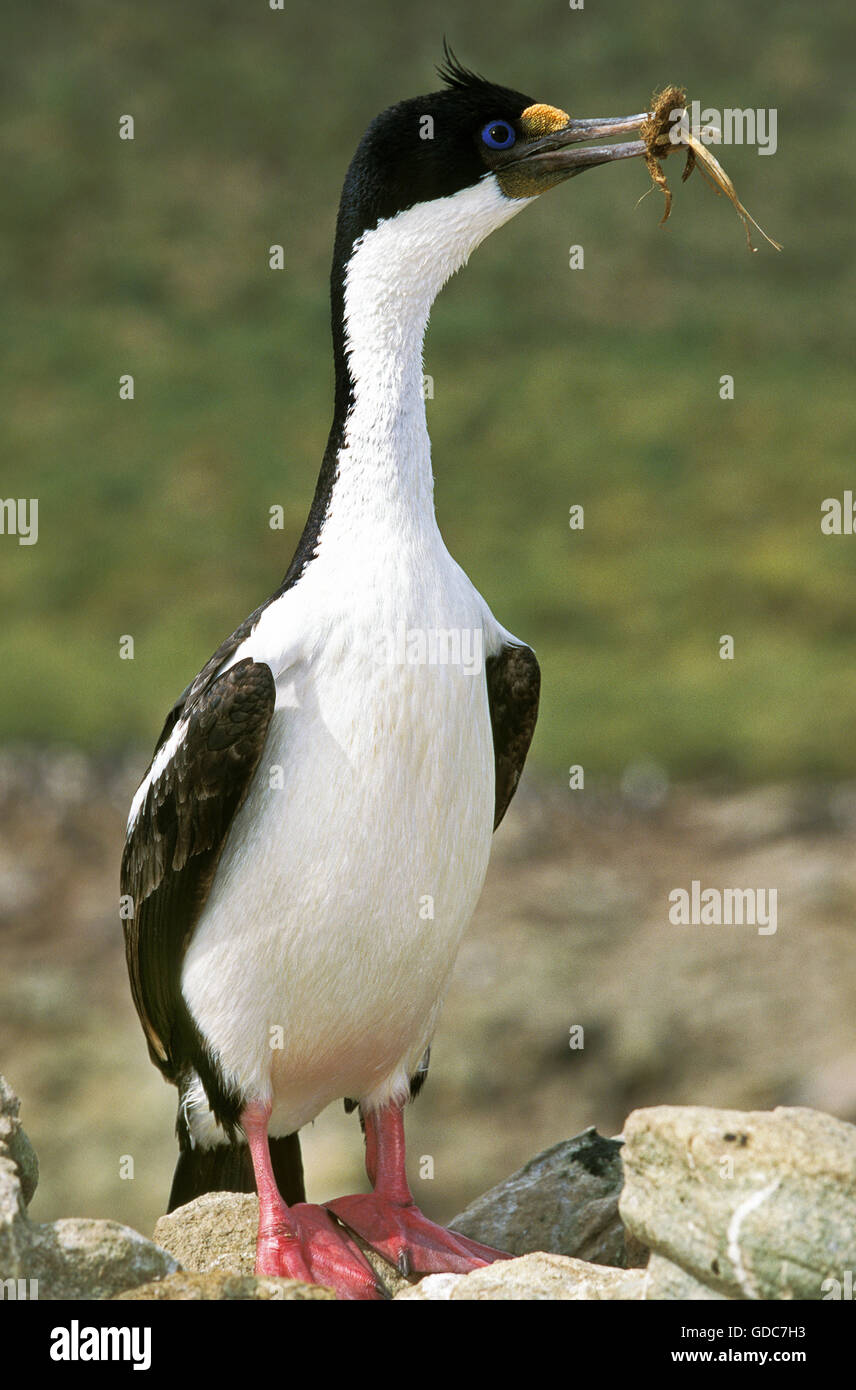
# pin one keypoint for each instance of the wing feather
(175, 842)
(513, 691)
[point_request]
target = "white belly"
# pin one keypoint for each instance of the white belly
(326, 946)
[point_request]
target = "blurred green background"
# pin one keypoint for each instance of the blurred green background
(552, 386)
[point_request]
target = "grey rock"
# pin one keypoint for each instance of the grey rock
(540, 1276)
(564, 1201)
(669, 1282)
(225, 1287)
(14, 1226)
(14, 1143)
(755, 1205)
(69, 1259)
(81, 1258)
(18, 1177)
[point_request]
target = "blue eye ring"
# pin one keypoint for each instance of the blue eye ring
(498, 135)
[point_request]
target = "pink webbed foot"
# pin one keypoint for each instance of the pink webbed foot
(304, 1242)
(407, 1239)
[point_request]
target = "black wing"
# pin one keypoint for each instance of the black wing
(513, 689)
(173, 848)
(217, 660)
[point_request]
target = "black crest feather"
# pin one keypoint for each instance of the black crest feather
(482, 92)
(454, 74)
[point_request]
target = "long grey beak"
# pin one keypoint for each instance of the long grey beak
(559, 152)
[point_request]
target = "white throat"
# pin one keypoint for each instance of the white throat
(394, 274)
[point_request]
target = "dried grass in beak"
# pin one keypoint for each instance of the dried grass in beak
(662, 136)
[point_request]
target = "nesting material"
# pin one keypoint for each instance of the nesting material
(658, 133)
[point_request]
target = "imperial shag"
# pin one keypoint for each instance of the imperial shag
(323, 779)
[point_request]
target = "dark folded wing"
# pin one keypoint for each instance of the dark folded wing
(513, 689)
(214, 663)
(174, 844)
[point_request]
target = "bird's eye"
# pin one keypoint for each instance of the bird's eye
(498, 135)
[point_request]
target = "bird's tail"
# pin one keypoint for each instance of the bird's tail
(228, 1168)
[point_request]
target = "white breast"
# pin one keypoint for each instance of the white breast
(322, 957)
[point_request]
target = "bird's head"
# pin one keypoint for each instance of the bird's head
(475, 153)
(431, 178)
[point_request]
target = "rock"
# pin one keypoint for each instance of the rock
(82, 1258)
(69, 1259)
(756, 1205)
(14, 1226)
(223, 1286)
(214, 1232)
(218, 1232)
(14, 1143)
(668, 1281)
(19, 1173)
(537, 1276)
(564, 1201)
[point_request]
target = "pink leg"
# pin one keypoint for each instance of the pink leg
(301, 1242)
(389, 1220)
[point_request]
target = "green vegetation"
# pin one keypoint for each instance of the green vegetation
(597, 386)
